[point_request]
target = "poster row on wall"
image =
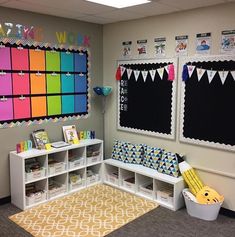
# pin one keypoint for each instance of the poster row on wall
(203, 43)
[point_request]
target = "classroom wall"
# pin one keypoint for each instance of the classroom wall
(11, 136)
(217, 167)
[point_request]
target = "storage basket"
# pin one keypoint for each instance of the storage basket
(208, 212)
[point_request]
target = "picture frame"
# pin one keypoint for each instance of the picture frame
(70, 134)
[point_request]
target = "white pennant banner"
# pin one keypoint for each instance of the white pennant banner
(223, 75)
(123, 69)
(160, 72)
(152, 74)
(200, 73)
(136, 74)
(190, 70)
(129, 72)
(210, 74)
(233, 74)
(144, 74)
(167, 69)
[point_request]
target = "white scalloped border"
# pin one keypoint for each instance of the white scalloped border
(183, 61)
(172, 135)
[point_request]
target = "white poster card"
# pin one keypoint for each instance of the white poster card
(160, 47)
(142, 48)
(126, 49)
(228, 41)
(181, 45)
(203, 43)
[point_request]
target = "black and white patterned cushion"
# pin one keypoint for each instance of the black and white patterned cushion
(152, 155)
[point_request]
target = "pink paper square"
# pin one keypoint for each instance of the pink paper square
(5, 59)
(5, 84)
(21, 108)
(6, 110)
(20, 59)
(20, 84)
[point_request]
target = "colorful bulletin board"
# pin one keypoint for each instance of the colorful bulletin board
(207, 101)
(147, 98)
(39, 82)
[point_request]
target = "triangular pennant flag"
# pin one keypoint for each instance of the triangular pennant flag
(129, 72)
(160, 72)
(190, 70)
(118, 74)
(200, 73)
(167, 69)
(185, 76)
(210, 74)
(233, 74)
(123, 69)
(144, 74)
(152, 74)
(136, 74)
(171, 72)
(223, 75)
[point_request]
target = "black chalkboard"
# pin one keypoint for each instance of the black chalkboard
(208, 108)
(146, 106)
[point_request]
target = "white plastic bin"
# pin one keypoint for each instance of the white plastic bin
(208, 212)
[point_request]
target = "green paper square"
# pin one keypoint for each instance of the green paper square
(53, 84)
(53, 61)
(54, 105)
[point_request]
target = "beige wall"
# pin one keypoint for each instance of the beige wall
(211, 19)
(9, 137)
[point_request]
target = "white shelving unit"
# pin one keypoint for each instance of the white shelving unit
(148, 183)
(56, 167)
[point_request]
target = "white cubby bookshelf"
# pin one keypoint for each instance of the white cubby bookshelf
(57, 165)
(164, 189)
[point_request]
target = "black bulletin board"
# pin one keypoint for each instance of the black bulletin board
(147, 106)
(207, 107)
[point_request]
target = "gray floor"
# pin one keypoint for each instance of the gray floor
(160, 222)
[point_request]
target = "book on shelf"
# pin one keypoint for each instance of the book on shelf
(40, 138)
(70, 134)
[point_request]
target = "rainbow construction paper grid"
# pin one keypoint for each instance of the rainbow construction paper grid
(40, 82)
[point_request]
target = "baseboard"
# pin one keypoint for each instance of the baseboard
(5, 200)
(227, 212)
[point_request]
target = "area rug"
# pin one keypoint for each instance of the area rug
(92, 212)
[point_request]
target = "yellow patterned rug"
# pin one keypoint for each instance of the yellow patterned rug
(92, 212)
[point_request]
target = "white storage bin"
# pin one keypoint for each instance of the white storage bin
(93, 179)
(208, 212)
(129, 185)
(79, 184)
(146, 191)
(112, 178)
(57, 168)
(36, 198)
(35, 174)
(76, 163)
(57, 191)
(93, 159)
(165, 196)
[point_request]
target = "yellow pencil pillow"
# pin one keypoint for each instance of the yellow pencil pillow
(190, 177)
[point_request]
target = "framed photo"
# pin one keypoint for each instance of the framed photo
(40, 138)
(70, 134)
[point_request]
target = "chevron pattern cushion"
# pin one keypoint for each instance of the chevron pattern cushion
(134, 153)
(119, 151)
(152, 156)
(168, 164)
